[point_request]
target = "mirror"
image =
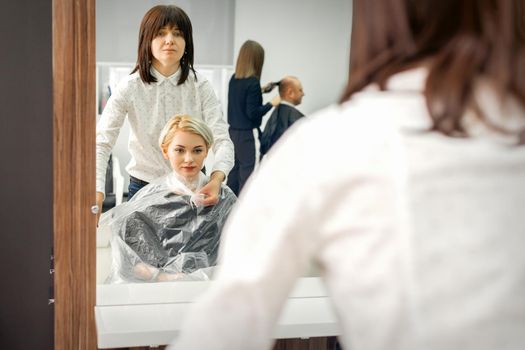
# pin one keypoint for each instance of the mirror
(305, 38)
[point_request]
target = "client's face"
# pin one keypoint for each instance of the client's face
(186, 153)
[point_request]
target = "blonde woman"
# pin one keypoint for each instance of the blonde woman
(165, 232)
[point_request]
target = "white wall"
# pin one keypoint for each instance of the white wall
(306, 38)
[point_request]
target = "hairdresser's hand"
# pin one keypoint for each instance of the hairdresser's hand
(276, 100)
(212, 189)
(267, 88)
(100, 200)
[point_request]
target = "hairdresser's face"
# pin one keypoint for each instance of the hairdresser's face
(168, 47)
(186, 153)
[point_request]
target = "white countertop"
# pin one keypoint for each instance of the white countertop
(150, 314)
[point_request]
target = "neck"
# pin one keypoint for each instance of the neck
(165, 70)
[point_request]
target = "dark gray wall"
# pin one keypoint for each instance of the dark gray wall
(26, 213)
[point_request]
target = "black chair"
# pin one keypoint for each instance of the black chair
(110, 200)
(114, 184)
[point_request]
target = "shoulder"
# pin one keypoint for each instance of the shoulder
(200, 84)
(253, 81)
(253, 85)
(131, 80)
(250, 81)
(198, 80)
(129, 83)
(148, 191)
(359, 128)
(288, 108)
(293, 113)
(365, 115)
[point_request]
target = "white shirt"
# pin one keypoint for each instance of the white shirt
(419, 236)
(148, 108)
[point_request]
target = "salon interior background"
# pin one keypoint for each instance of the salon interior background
(306, 38)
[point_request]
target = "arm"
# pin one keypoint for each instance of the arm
(108, 128)
(148, 273)
(99, 201)
(212, 189)
(255, 109)
(212, 115)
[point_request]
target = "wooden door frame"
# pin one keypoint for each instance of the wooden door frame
(74, 118)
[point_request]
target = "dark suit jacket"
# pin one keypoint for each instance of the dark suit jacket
(281, 119)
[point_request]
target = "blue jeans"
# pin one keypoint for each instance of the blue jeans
(134, 186)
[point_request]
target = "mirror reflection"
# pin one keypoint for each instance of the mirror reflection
(297, 46)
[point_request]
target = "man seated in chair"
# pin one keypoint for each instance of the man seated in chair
(285, 114)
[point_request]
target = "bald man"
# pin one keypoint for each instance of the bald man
(285, 114)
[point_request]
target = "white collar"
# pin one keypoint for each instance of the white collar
(283, 102)
(174, 78)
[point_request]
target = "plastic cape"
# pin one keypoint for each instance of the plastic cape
(282, 117)
(163, 233)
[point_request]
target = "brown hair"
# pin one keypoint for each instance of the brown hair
(250, 60)
(155, 19)
(466, 39)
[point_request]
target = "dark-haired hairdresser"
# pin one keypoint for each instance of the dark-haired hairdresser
(162, 84)
(409, 197)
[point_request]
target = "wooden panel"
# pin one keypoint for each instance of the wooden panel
(74, 172)
(314, 343)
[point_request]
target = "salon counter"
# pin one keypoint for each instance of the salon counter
(151, 314)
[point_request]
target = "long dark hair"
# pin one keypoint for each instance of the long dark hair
(156, 18)
(465, 39)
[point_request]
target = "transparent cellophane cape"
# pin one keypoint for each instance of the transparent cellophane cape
(163, 233)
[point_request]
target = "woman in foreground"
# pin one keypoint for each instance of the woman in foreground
(410, 198)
